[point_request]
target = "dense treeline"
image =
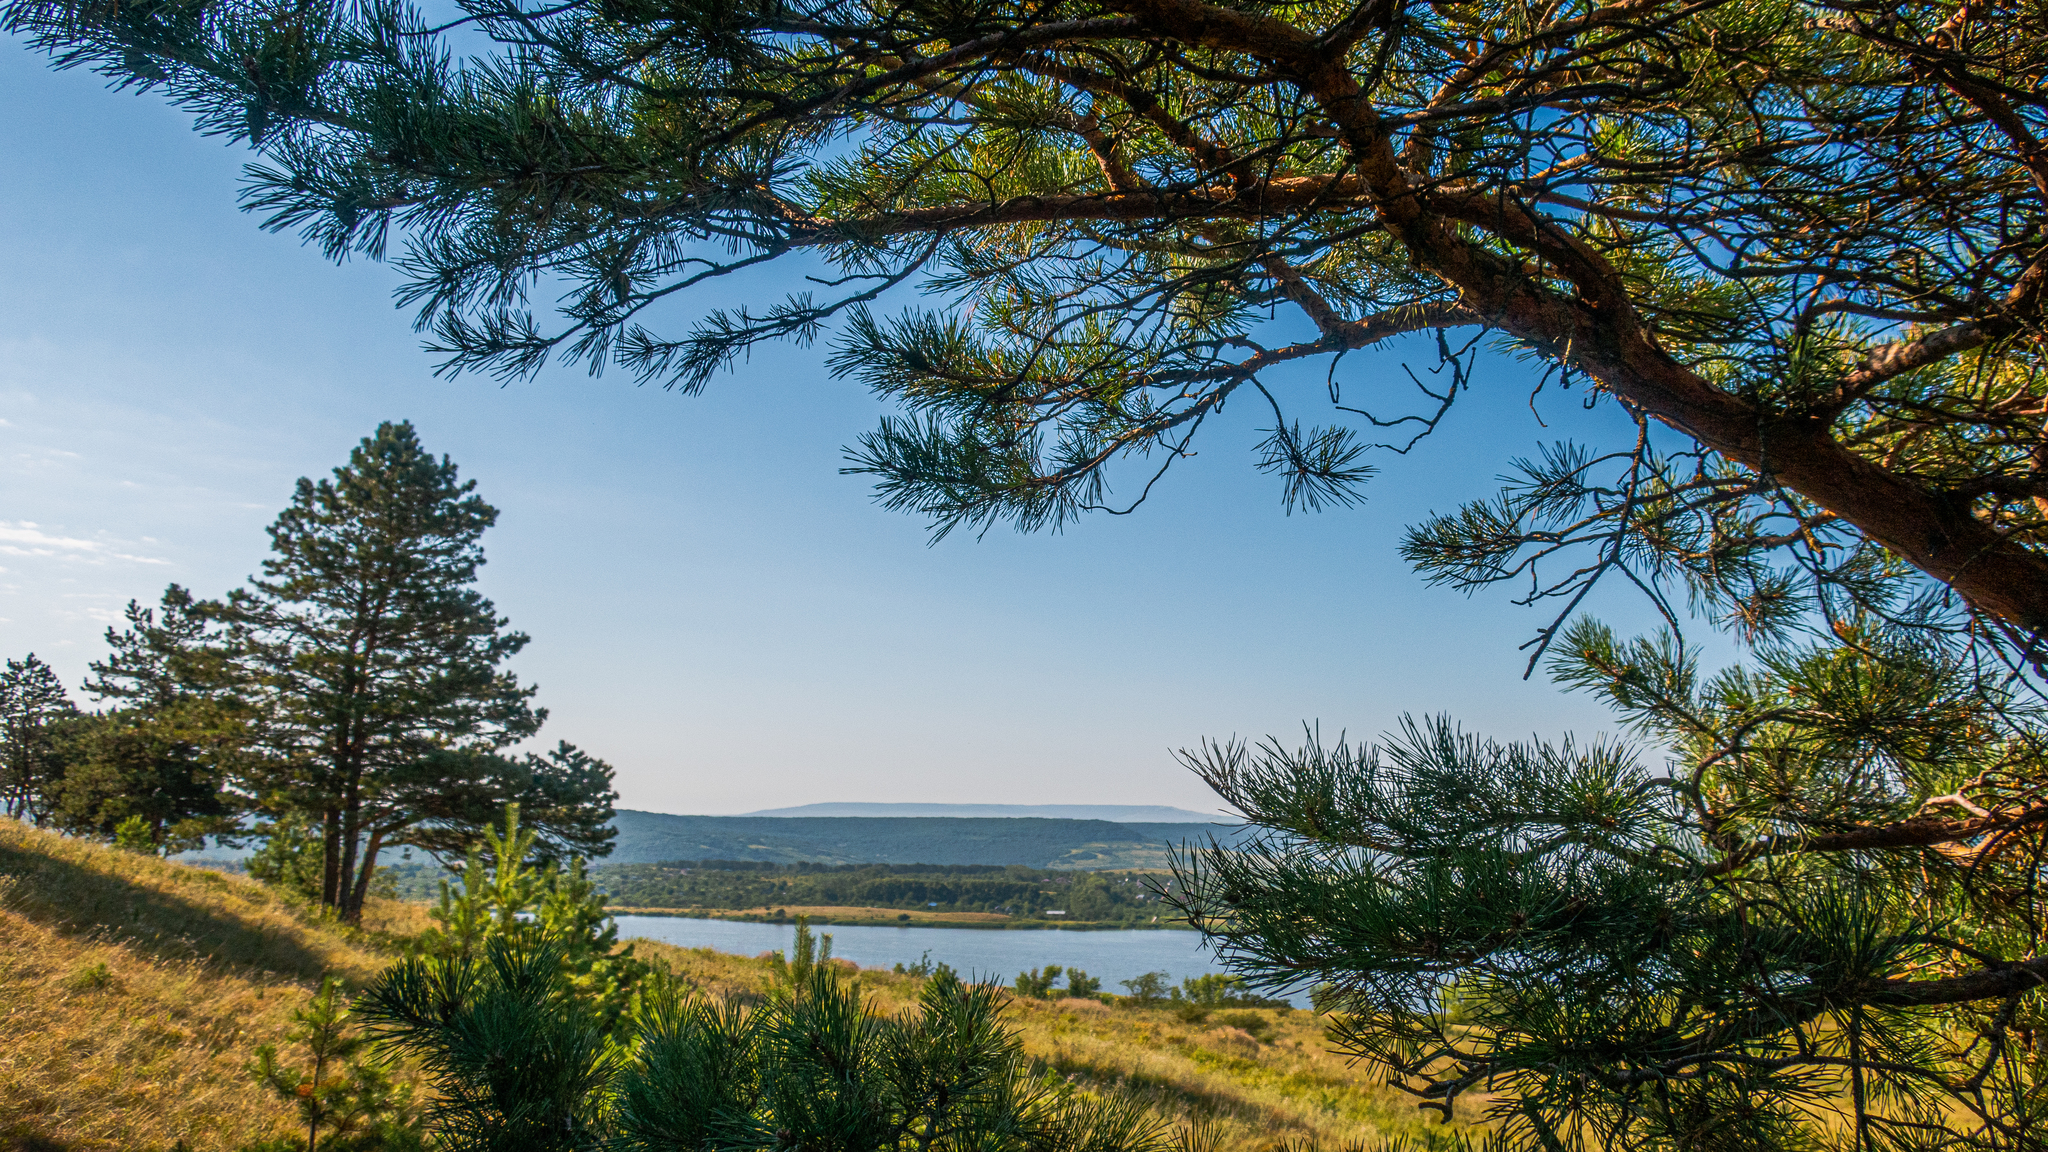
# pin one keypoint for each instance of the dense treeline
(1035, 842)
(1116, 897)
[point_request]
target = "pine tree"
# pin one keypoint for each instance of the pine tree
(166, 753)
(511, 887)
(346, 1096)
(369, 665)
(33, 709)
(520, 1063)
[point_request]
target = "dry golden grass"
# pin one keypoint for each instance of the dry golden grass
(133, 992)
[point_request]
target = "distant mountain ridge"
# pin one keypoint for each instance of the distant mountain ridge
(1116, 813)
(1039, 842)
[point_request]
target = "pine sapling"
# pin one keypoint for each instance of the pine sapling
(343, 1089)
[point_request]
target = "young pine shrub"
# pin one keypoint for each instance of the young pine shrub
(346, 1097)
(291, 858)
(504, 893)
(807, 953)
(520, 1061)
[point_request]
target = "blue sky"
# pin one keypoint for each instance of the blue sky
(714, 608)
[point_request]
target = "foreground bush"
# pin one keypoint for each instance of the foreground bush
(519, 1062)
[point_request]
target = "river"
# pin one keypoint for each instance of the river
(1109, 956)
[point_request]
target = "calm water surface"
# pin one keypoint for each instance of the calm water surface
(986, 953)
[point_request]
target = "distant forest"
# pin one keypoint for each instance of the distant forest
(1034, 842)
(1026, 893)
(1115, 897)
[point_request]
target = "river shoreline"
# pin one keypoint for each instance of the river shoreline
(891, 918)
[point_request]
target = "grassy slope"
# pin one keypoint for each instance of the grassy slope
(199, 968)
(202, 967)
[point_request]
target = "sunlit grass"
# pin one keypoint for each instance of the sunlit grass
(133, 992)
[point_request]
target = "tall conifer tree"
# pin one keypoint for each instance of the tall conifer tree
(365, 650)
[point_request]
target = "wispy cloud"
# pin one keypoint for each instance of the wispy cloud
(26, 538)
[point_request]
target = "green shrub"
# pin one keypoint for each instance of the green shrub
(1258, 1024)
(291, 858)
(91, 978)
(520, 1061)
(1037, 983)
(1150, 988)
(135, 835)
(502, 892)
(1217, 990)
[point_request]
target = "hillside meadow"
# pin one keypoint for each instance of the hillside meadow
(134, 990)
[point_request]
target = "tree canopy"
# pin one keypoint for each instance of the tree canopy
(351, 699)
(1820, 925)
(168, 749)
(1807, 235)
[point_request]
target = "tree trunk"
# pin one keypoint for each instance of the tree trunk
(359, 888)
(330, 857)
(351, 836)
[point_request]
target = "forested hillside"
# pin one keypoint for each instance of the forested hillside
(1016, 891)
(657, 837)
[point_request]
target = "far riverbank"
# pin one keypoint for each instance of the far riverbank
(896, 918)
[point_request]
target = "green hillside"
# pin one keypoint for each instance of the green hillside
(657, 837)
(1023, 895)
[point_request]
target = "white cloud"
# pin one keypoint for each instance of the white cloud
(25, 538)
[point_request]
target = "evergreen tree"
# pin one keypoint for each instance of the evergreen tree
(166, 753)
(370, 668)
(33, 710)
(346, 1097)
(126, 765)
(290, 856)
(511, 887)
